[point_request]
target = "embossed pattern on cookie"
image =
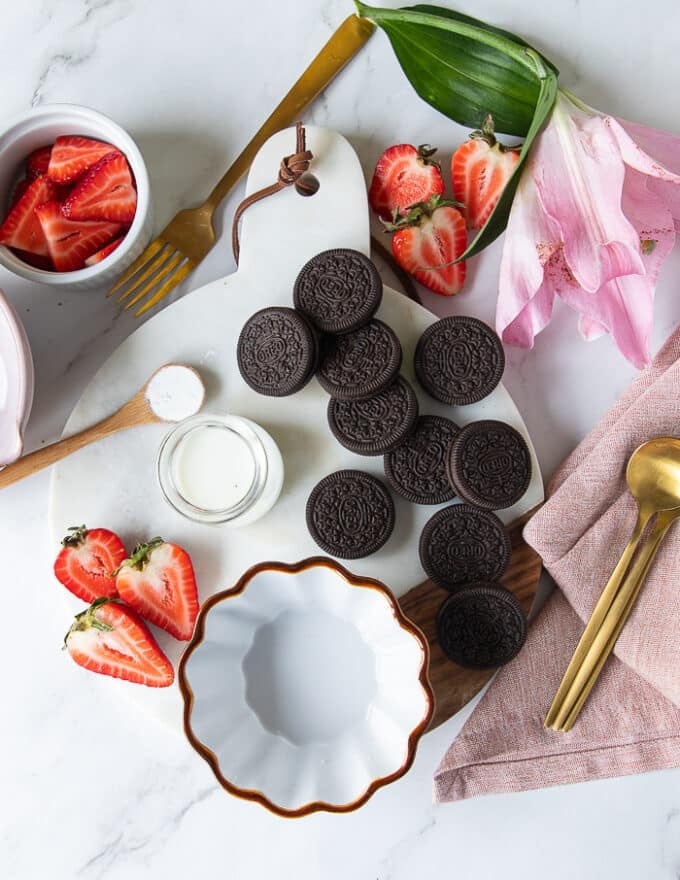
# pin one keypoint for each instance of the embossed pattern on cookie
(489, 464)
(416, 469)
(277, 351)
(482, 627)
(360, 363)
(461, 544)
(459, 360)
(375, 425)
(350, 514)
(339, 290)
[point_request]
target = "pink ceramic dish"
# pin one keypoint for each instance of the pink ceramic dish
(16, 382)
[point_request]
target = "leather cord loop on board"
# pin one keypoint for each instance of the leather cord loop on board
(290, 170)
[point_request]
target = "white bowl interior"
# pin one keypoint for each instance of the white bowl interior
(16, 382)
(306, 688)
(38, 129)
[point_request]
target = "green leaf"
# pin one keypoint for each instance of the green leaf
(498, 219)
(463, 67)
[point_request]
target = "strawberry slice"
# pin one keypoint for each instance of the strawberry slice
(21, 228)
(158, 581)
(38, 162)
(431, 234)
(87, 561)
(71, 242)
(403, 176)
(35, 260)
(109, 638)
(106, 192)
(480, 168)
(73, 155)
(20, 188)
(104, 252)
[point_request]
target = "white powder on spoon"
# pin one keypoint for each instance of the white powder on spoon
(175, 392)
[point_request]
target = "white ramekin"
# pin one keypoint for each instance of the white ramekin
(41, 126)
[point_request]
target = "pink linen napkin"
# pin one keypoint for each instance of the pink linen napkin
(631, 722)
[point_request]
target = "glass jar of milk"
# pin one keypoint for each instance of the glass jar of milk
(220, 469)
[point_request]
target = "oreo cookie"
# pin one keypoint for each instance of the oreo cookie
(416, 469)
(461, 544)
(375, 425)
(459, 360)
(489, 464)
(482, 627)
(277, 351)
(350, 514)
(338, 290)
(360, 363)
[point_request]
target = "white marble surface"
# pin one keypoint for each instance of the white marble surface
(90, 787)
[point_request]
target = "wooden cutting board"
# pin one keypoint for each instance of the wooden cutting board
(453, 685)
(113, 483)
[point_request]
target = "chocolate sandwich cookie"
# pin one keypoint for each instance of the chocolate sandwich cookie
(375, 425)
(360, 363)
(459, 360)
(482, 627)
(350, 514)
(461, 544)
(339, 290)
(416, 469)
(489, 464)
(277, 351)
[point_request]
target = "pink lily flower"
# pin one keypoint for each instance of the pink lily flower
(593, 219)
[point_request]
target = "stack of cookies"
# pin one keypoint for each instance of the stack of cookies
(464, 548)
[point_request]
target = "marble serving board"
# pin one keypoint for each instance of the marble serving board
(114, 483)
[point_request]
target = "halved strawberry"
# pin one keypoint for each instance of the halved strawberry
(106, 192)
(104, 252)
(403, 176)
(71, 242)
(109, 638)
(87, 561)
(431, 234)
(158, 581)
(480, 168)
(38, 162)
(21, 228)
(73, 155)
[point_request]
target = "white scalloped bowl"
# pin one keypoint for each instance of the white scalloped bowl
(16, 382)
(305, 687)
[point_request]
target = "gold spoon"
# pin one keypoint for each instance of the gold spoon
(614, 621)
(653, 477)
(137, 411)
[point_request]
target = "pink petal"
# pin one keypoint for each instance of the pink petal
(579, 178)
(530, 238)
(590, 329)
(653, 152)
(624, 306)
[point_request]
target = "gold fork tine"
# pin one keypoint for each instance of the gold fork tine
(138, 264)
(176, 278)
(190, 234)
(170, 261)
(152, 266)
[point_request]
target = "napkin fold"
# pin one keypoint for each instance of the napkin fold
(631, 722)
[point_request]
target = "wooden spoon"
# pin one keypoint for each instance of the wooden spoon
(137, 411)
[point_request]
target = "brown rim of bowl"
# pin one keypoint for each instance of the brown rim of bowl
(188, 696)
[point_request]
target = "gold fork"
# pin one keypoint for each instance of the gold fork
(189, 236)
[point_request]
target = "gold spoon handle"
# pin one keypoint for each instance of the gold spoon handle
(340, 48)
(599, 612)
(613, 624)
(135, 412)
